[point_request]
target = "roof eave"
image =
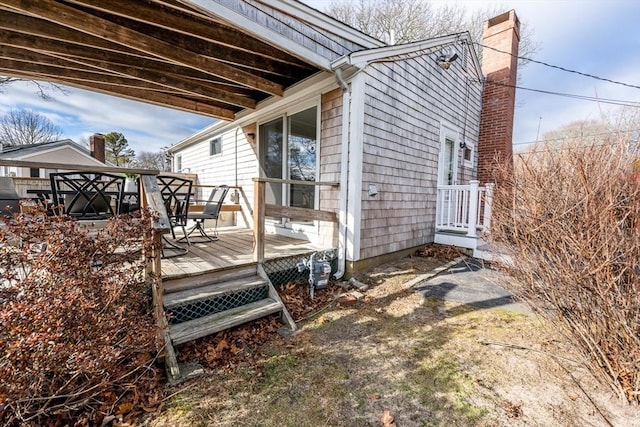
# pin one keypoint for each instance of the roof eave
(361, 58)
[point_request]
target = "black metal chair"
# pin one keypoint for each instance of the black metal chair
(211, 210)
(87, 195)
(176, 193)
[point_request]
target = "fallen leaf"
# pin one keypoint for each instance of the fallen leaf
(123, 408)
(387, 419)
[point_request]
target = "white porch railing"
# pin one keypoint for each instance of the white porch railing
(464, 208)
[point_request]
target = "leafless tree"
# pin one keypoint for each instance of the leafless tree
(19, 127)
(151, 160)
(404, 21)
(619, 126)
(43, 89)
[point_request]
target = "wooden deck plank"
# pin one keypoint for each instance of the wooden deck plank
(235, 247)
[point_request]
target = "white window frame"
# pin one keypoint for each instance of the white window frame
(448, 131)
(212, 142)
(178, 162)
(283, 114)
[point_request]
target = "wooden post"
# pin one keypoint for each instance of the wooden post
(151, 198)
(473, 208)
(258, 220)
(488, 202)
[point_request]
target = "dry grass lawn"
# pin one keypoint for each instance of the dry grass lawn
(421, 359)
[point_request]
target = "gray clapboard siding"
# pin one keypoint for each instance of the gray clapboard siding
(406, 101)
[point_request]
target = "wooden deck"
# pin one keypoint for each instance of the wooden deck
(234, 248)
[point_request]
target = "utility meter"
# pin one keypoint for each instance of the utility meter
(319, 273)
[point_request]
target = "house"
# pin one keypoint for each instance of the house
(64, 151)
(390, 124)
(393, 138)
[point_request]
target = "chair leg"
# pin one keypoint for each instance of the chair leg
(200, 227)
(186, 235)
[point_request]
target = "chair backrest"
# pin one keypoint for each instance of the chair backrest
(176, 193)
(87, 195)
(8, 197)
(214, 204)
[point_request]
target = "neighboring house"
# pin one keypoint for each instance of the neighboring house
(64, 151)
(389, 123)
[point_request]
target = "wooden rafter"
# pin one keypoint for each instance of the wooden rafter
(48, 57)
(166, 52)
(152, 97)
(99, 27)
(192, 25)
(78, 49)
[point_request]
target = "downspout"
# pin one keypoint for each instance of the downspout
(236, 196)
(344, 175)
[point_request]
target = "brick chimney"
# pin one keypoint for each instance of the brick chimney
(96, 146)
(501, 33)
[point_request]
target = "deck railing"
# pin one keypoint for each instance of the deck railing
(261, 209)
(464, 208)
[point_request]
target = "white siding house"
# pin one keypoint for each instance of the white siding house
(64, 151)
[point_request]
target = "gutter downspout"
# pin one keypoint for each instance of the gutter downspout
(236, 196)
(344, 175)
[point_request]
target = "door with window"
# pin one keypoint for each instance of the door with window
(447, 175)
(288, 150)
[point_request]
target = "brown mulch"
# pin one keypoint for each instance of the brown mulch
(439, 252)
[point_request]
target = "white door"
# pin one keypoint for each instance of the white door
(447, 176)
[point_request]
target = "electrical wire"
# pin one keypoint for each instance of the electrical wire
(620, 102)
(557, 67)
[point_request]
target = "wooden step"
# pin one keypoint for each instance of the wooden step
(198, 328)
(212, 291)
(181, 283)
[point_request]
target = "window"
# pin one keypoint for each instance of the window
(34, 172)
(178, 163)
(215, 146)
(467, 155)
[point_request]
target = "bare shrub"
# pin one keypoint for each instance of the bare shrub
(570, 219)
(77, 334)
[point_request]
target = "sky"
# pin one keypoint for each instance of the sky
(596, 37)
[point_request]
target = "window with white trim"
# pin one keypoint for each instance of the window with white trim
(215, 146)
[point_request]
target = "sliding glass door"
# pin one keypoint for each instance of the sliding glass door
(294, 160)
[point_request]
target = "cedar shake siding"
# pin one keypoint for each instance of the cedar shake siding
(406, 102)
(330, 155)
